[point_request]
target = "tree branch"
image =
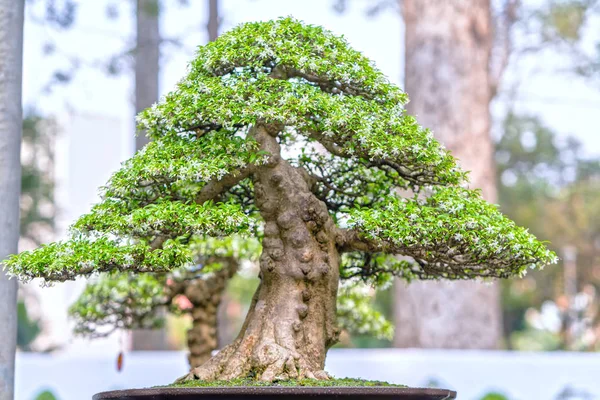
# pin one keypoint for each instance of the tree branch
(215, 188)
(349, 240)
(326, 85)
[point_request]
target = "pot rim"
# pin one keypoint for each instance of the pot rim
(278, 390)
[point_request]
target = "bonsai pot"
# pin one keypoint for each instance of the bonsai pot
(278, 392)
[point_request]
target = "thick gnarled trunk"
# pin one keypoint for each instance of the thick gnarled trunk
(291, 322)
(448, 45)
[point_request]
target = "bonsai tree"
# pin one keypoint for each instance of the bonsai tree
(129, 301)
(281, 131)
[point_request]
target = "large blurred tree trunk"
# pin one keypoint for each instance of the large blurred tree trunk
(147, 66)
(214, 20)
(448, 50)
(147, 59)
(11, 119)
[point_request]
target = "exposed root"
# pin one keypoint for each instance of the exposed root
(267, 361)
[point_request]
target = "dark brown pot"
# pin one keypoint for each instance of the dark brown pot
(278, 392)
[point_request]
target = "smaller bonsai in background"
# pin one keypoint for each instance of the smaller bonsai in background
(282, 132)
(127, 301)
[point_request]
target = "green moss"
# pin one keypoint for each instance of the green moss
(290, 382)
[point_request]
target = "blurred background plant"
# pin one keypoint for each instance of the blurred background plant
(494, 396)
(46, 395)
(38, 212)
(546, 184)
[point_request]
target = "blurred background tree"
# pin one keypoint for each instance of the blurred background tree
(38, 210)
(455, 56)
(540, 181)
(547, 185)
(550, 185)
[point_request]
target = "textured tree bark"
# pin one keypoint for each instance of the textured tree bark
(448, 46)
(11, 119)
(205, 296)
(291, 322)
(147, 65)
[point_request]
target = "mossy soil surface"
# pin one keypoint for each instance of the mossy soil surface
(345, 382)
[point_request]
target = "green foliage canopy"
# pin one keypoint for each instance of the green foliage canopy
(124, 300)
(195, 178)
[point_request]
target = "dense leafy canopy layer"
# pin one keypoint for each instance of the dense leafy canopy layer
(123, 300)
(62, 261)
(173, 217)
(359, 146)
(178, 168)
(446, 231)
(149, 200)
(126, 301)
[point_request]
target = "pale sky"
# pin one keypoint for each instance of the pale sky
(568, 105)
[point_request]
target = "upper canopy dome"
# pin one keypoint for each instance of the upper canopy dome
(287, 73)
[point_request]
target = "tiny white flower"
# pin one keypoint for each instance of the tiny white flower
(128, 260)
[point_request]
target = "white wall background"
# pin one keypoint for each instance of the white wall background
(519, 376)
